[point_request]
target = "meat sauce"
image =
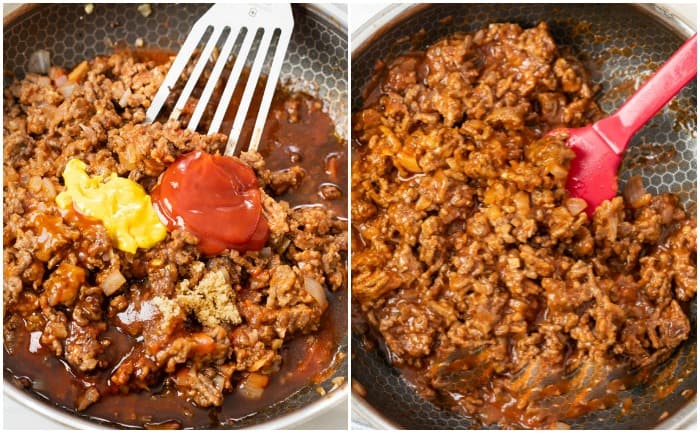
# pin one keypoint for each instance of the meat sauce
(306, 142)
(486, 285)
(308, 360)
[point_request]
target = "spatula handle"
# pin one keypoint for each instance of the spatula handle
(666, 82)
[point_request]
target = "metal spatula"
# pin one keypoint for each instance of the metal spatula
(250, 19)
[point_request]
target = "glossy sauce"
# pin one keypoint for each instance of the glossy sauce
(305, 361)
(311, 142)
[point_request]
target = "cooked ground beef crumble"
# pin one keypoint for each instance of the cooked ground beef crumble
(166, 317)
(487, 285)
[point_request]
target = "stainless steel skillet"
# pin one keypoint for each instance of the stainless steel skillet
(620, 44)
(316, 62)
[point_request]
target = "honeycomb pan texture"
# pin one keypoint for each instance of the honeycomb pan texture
(621, 45)
(316, 60)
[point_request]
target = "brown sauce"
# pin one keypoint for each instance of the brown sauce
(53, 380)
(312, 142)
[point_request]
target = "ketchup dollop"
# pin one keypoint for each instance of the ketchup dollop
(214, 197)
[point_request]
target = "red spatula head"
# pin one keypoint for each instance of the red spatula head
(593, 172)
(599, 147)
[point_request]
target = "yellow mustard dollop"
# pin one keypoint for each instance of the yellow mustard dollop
(121, 204)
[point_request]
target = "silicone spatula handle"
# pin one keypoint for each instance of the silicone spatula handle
(617, 130)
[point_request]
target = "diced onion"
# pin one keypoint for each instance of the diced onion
(125, 98)
(253, 386)
(34, 184)
(575, 205)
(58, 75)
(315, 289)
(49, 189)
(558, 171)
(90, 133)
(39, 62)
(634, 192)
(61, 80)
(144, 9)
(666, 214)
(112, 282)
(67, 90)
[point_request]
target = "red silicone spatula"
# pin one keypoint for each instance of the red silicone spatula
(599, 147)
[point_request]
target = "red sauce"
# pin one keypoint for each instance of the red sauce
(216, 198)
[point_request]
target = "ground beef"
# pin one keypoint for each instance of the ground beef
(470, 261)
(193, 323)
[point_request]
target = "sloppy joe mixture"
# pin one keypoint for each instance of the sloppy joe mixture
(150, 281)
(490, 289)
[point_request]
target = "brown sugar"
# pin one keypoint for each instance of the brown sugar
(212, 300)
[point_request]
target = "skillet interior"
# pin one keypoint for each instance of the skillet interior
(316, 62)
(621, 45)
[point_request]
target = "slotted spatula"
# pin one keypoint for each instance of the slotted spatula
(247, 18)
(599, 147)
